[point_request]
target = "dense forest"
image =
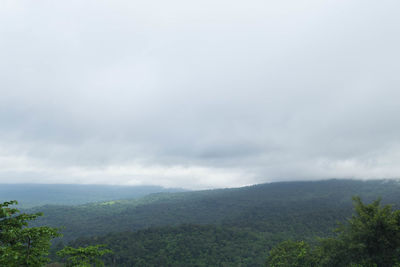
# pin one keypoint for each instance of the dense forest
(371, 237)
(287, 209)
(225, 227)
(185, 245)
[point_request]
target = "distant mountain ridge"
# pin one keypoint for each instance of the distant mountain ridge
(290, 208)
(32, 195)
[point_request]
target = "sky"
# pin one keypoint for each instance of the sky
(198, 94)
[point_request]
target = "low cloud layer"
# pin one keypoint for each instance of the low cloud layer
(198, 95)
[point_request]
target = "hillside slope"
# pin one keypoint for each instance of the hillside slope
(290, 209)
(31, 195)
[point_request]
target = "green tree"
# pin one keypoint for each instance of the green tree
(290, 254)
(83, 257)
(370, 238)
(21, 245)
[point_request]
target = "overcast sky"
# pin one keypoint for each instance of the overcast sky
(199, 94)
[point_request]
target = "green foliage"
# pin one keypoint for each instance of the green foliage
(84, 257)
(295, 209)
(290, 253)
(183, 246)
(270, 212)
(371, 238)
(231, 227)
(19, 244)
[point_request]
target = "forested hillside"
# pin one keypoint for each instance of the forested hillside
(31, 195)
(291, 209)
(224, 227)
(185, 245)
(370, 237)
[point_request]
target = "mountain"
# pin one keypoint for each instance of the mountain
(31, 195)
(286, 209)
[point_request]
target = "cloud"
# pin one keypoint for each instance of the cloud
(198, 95)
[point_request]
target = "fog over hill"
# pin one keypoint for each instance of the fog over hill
(30, 195)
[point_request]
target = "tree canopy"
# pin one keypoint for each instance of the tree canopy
(19, 244)
(371, 237)
(84, 256)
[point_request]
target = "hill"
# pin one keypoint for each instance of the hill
(287, 209)
(31, 195)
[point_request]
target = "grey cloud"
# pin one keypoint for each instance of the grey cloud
(265, 90)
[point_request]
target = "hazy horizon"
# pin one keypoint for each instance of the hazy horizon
(198, 95)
